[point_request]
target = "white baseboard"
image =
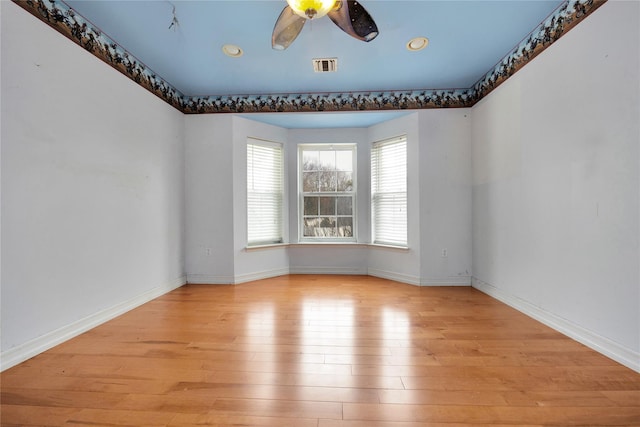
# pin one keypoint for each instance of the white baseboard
(446, 281)
(327, 270)
(250, 277)
(209, 279)
(611, 349)
(392, 275)
(22, 352)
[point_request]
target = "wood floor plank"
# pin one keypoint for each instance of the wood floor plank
(351, 423)
(321, 351)
(493, 415)
(307, 380)
(215, 419)
(112, 417)
(624, 398)
(279, 408)
(498, 398)
(27, 415)
(62, 399)
(521, 378)
(277, 392)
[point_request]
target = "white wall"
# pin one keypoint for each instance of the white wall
(556, 185)
(445, 197)
(209, 200)
(92, 190)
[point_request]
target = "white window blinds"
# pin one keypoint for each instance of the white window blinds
(264, 192)
(389, 191)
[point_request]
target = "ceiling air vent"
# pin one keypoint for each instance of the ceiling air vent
(325, 65)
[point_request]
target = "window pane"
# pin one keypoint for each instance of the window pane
(311, 205)
(327, 205)
(327, 226)
(345, 226)
(310, 182)
(344, 160)
(310, 227)
(328, 160)
(320, 227)
(345, 206)
(310, 160)
(327, 180)
(345, 181)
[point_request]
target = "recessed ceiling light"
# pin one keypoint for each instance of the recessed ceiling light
(417, 43)
(232, 50)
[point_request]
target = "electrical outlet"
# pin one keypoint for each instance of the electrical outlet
(207, 251)
(444, 253)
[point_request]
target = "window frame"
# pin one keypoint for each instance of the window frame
(375, 181)
(281, 214)
(353, 194)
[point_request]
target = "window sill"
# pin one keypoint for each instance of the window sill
(325, 244)
(382, 246)
(340, 244)
(267, 246)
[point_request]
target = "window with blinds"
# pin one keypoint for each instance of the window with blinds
(389, 191)
(264, 192)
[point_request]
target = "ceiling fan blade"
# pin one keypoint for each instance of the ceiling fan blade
(287, 28)
(353, 19)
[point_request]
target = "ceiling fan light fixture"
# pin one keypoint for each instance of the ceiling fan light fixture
(417, 43)
(232, 50)
(311, 9)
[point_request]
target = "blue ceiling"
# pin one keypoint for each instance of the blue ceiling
(467, 39)
(314, 120)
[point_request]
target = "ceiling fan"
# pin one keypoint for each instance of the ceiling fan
(349, 15)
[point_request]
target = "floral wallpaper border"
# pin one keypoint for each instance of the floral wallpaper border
(65, 20)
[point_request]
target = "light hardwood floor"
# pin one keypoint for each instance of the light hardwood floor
(321, 351)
